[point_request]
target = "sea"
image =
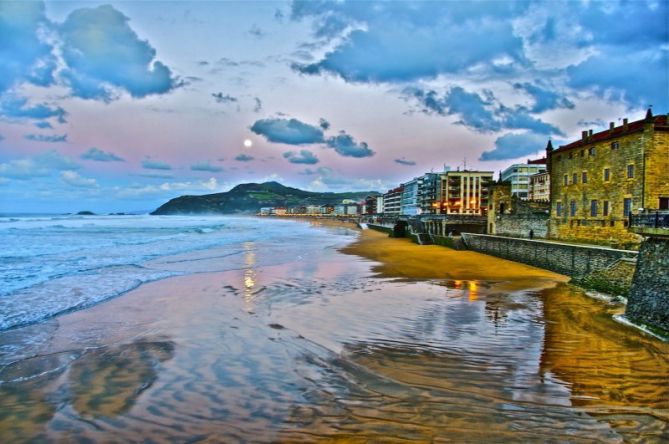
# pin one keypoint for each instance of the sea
(56, 264)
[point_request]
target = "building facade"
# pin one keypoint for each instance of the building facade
(409, 203)
(392, 201)
(540, 187)
(429, 192)
(599, 180)
(465, 192)
(519, 174)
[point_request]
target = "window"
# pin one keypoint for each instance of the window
(582, 153)
(559, 158)
(591, 151)
(627, 206)
(630, 171)
(593, 208)
(574, 178)
(615, 145)
(571, 155)
(558, 209)
(584, 177)
(605, 208)
(566, 179)
(607, 174)
(572, 208)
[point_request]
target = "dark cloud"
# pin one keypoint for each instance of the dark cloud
(98, 155)
(18, 108)
(256, 32)
(151, 164)
(221, 98)
(244, 158)
(404, 161)
(43, 125)
(278, 16)
(288, 131)
(480, 113)
(206, 166)
(53, 138)
(102, 52)
(513, 146)
(324, 124)
(258, 105)
(303, 157)
(346, 145)
(544, 99)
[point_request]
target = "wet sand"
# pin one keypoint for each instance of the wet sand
(403, 258)
(425, 344)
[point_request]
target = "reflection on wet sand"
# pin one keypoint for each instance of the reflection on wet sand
(107, 382)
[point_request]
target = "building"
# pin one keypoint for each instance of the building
(379, 205)
(465, 192)
(519, 176)
(371, 205)
(409, 202)
(392, 201)
(428, 193)
(599, 180)
(313, 209)
(540, 187)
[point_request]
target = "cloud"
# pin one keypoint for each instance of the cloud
(425, 39)
(515, 145)
(303, 157)
(138, 191)
(243, 158)
(346, 146)
(482, 114)
(404, 161)
(43, 125)
(206, 166)
(102, 52)
(256, 32)
(98, 155)
(544, 99)
(258, 105)
(220, 98)
(150, 164)
(74, 179)
(288, 131)
(18, 108)
(26, 55)
(46, 138)
(324, 124)
(38, 166)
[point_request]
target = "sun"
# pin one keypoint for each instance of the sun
(248, 143)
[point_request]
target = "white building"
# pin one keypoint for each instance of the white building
(519, 176)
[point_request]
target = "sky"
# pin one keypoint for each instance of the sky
(121, 106)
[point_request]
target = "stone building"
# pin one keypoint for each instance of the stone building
(599, 180)
(465, 192)
(509, 215)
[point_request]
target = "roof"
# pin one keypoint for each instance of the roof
(659, 123)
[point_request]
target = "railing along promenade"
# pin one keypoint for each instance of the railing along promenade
(650, 223)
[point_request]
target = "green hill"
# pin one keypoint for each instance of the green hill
(250, 197)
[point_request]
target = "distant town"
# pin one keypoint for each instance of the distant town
(587, 191)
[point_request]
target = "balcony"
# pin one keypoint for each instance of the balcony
(652, 223)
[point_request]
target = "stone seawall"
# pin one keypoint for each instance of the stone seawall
(519, 225)
(648, 301)
(577, 261)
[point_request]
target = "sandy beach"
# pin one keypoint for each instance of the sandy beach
(387, 342)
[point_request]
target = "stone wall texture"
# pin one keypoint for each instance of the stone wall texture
(648, 301)
(576, 261)
(519, 225)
